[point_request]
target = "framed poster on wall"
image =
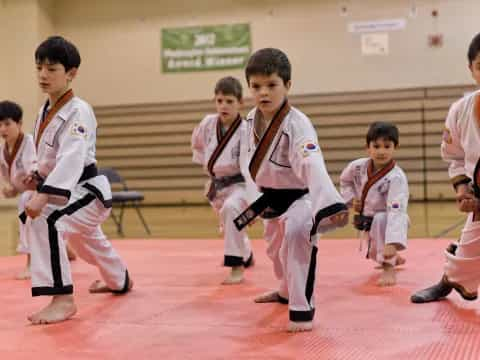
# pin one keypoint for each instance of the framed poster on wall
(201, 48)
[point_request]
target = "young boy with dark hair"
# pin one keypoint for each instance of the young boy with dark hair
(377, 189)
(216, 146)
(17, 161)
(71, 199)
(299, 199)
(461, 149)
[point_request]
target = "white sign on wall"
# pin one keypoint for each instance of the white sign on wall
(374, 44)
(376, 26)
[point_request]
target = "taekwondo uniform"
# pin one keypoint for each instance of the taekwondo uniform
(461, 149)
(79, 201)
(384, 198)
(297, 201)
(218, 152)
(14, 169)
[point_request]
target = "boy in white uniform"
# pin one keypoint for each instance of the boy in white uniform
(71, 199)
(377, 189)
(299, 199)
(216, 146)
(17, 161)
(461, 149)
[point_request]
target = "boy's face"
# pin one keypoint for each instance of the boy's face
(228, 107)
(9, 130)
(53, 79)
(268, 92)
(380, 151)
(475, 69)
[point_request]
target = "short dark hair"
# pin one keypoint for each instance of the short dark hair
(10, 110)
(229, 86)
(269, 61)
(382, 130)
(474, 49)
(58, 50)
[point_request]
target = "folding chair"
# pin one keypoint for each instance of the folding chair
(123, 198)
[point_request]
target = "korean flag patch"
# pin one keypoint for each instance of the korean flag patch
(78, 130)
(310, 147)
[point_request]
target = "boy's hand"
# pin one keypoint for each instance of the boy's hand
(30, 182)
(8, 191)
(389, 251)
(340, 219)
(34, 206)
(466, 201)
(357, 205)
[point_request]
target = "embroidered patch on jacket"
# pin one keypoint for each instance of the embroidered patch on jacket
(310, 147)
(395, 205)
(447, 136)
(78, 130)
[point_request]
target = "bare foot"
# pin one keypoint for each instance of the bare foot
(235, 277)
(398, 262)
(61, 308)
(71, 254)
(24, 274)
(388, 276)
(271, 296)
(294, 327)
(99, 287)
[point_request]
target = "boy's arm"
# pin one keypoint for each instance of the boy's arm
(70, 158)
(198, 142)
(451, 148)
(308, 164)
(397, 216)
(29, 156)
(347, 185)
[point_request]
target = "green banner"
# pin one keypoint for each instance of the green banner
(205, 48)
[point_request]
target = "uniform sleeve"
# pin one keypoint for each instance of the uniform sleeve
(347, 185)
(199, 142)
(308, 164)
(397, 217)
(71, 155)
(451, 148)
(29, 156)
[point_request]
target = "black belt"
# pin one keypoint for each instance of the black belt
(89, 172)
(272, 203)
(362, 222)
(220, 183)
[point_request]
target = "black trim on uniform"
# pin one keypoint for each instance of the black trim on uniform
(23, 217)
(45, 290)
(47, 189)
(311, 274)
(231, 261)
(58, 287)
(249, 261)
(301, 316)
(106, 203)
(325, 213)
(125, 288)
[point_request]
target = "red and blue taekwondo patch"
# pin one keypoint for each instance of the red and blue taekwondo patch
(78, 130)
(310, 147)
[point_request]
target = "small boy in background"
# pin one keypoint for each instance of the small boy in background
(17, 161)
(377, 189)
(216, 146)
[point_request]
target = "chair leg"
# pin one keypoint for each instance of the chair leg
(147, 229)
(122, 209)
(117, 223)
